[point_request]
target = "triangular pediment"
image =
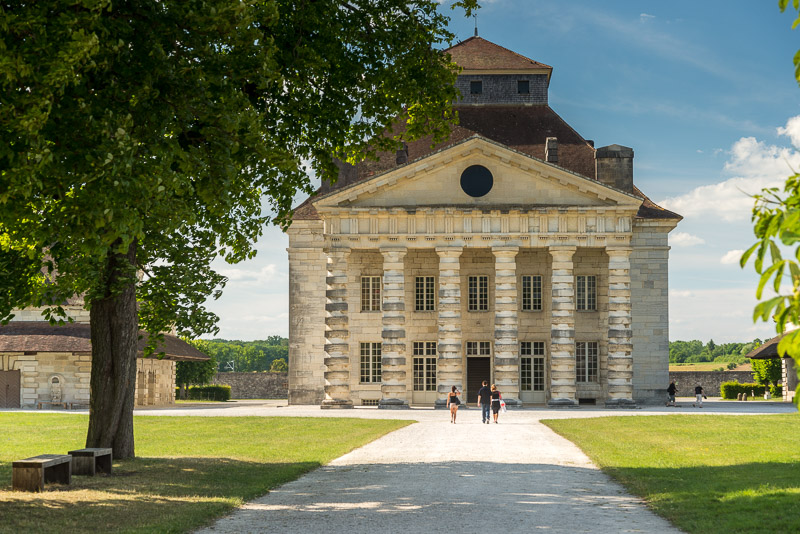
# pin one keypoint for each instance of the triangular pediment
(518, 181)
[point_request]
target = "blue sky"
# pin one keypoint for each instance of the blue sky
(704, 92)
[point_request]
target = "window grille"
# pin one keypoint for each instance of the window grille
(424, 364)
(478, 298)
(531, 292)
(425, 293)
(479, 348)
(370, 293)
(586, 361)
(370, 363)
(531, 365)
(586, 293)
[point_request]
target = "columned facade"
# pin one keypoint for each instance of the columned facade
(450, 367)
(620, 347)
(393, 353)
(562, 328)
(337, 347)
(506, 324)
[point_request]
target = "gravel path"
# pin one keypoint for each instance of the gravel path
(433, 476)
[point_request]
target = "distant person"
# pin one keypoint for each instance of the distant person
(698, 394)
(485, 401)
(671, 390)
(453, 402)
(767, 393)
(495, 402)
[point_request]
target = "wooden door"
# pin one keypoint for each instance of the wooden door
(9, 389)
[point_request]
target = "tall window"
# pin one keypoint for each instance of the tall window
(586, 361)
(479, 348)
(370, 363)
(424, 363)
(476, 87)
(370, 293)
(531, 292)
(531, 366)
(586, 292)
(478, 299)
(425, 293)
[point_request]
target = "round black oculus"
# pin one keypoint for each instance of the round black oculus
(476, 180)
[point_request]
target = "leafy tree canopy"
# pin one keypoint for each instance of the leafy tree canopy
(139, 137)
(766, 372)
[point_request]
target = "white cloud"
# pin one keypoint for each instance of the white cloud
(754, 165)
(243, 276)
(792, 130)
(682, 239)
(645, 17)
(731, 257)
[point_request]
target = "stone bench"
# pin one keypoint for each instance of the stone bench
(90, 461)
(31, 474)
(49, 403)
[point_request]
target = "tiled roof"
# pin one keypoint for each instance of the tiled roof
(40, 336)
(768, 350)
(477, 53)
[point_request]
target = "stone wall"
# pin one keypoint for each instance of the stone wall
(710, 380)
(254, 385)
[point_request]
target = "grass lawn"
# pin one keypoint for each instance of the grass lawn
(706, 474)
(188, 470)
(707, 366)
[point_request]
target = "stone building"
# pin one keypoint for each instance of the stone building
(514, 252)
(42, 364)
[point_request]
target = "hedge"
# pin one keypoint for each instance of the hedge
(731, 390)
(215, 393)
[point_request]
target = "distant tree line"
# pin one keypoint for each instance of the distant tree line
(271, 354)
(696, 352)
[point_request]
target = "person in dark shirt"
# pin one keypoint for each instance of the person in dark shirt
(495, 402)
(698, 393)
(485, 402)
(671, 390)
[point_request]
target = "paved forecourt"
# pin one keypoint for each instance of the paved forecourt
(433, 476)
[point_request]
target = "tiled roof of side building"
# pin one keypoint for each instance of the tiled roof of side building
(41, 336)
(477, 53)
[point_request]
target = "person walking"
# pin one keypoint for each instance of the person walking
(671, 391)
(452, 402)
(485, 401)
(698, 393)
(495, 402)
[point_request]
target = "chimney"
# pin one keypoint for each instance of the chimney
(402, 154)
(614, 166)
(551, 150)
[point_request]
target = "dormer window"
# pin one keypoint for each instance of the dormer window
(476, 88)
(523, 87)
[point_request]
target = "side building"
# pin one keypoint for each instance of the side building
(514, 252)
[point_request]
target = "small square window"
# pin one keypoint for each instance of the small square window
(523, 87)
(476, 88)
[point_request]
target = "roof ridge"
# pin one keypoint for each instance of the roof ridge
(517, 54)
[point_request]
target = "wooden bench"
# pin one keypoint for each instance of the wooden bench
(42, 403)
(90, 461)
(31, 474)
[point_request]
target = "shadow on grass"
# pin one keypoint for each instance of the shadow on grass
(752, 497)
(144, 495)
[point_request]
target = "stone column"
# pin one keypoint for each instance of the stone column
(506, 324)
(393, 350)
(449, 367)
(337, 348)
(620, 346)
(562, 329)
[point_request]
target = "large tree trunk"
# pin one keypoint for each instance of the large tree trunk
(115, 333)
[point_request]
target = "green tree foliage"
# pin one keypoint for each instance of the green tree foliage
(245, 356)
(696, 352)
(195, 372)
(766, 372)
(140, 137)
(776, 222)
(278, 366)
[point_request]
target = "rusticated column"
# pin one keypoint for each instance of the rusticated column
(620, 346)
(506, 324)
(450, 371)
(562, 329)
(337, 348)
(393, 349)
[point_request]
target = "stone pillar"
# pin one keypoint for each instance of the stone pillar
(450, 370)
(393, 350)
(506, 324)
(620, 335)
(337, 348)
(562, 329)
